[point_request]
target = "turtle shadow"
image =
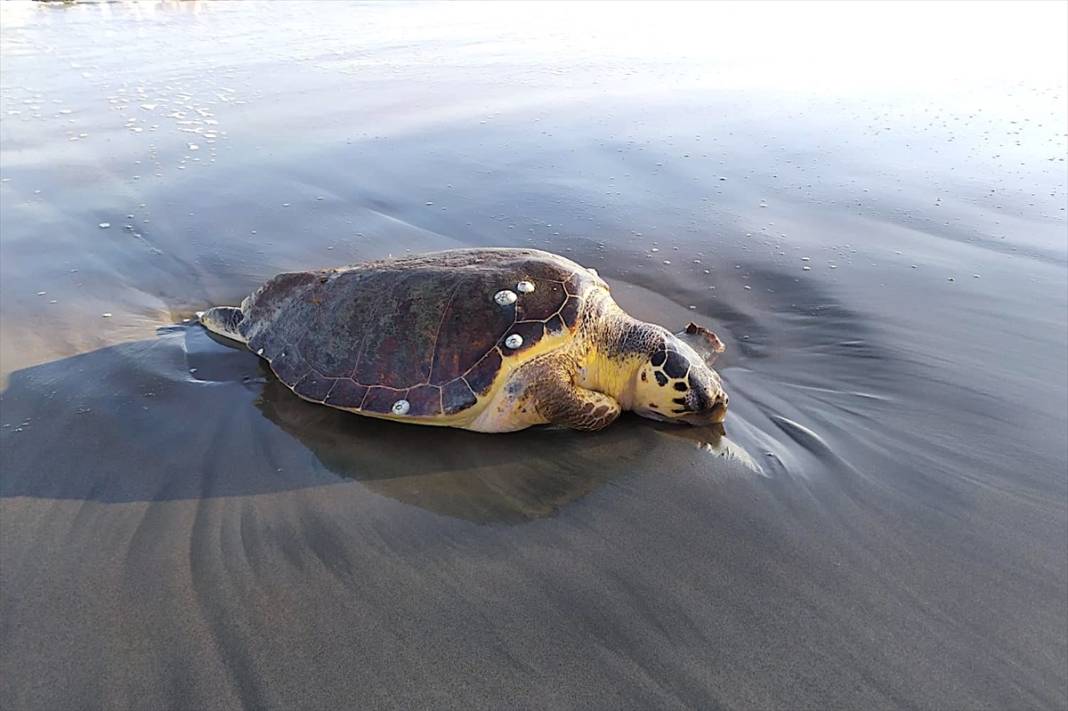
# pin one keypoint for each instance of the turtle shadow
(189, 416)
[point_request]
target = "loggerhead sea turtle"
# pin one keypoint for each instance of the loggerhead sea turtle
(491, 340)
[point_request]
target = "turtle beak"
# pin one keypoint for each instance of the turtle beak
(719, 411)
(712, 416)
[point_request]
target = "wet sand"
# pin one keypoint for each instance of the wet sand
(882, 522)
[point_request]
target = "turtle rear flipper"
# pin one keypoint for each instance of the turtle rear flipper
(224, 321)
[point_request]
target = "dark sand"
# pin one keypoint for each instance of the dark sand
(881, 523)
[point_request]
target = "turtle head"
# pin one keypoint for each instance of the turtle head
(676, 384)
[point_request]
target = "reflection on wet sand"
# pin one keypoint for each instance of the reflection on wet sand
(463, 474)
(714, 441)
(475, 476)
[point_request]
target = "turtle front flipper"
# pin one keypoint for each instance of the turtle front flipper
(580, 409)
(560, 401)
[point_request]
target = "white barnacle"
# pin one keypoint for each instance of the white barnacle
(592, 271)
(513, 341)
(259, 352)
(505, 297)
(524, 287)
(401, 407)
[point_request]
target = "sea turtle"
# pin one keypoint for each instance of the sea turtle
(491, 340)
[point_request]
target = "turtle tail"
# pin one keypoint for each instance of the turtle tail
(223, 320)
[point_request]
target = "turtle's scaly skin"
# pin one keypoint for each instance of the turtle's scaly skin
(425, 329)
(493, 340)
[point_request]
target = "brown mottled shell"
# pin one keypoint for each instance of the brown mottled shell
(422, 329)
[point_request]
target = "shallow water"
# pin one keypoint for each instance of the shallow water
(878, 236)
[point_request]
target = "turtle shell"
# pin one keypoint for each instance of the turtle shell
(430, 330)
